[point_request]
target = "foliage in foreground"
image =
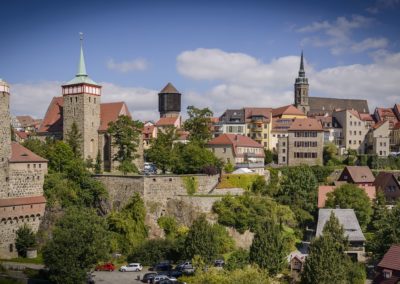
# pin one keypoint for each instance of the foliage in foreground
(25, 240)
(239, 276)
(80, 240)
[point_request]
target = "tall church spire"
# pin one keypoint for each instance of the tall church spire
(302, 73)
(82, 66)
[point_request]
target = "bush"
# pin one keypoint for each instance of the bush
(191, 184)
(238, 259)
(25, 240)
(229, 168)
(322, 172)
(153, 251)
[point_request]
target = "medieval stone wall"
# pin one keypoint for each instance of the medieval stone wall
(26, 179)
(5, 141)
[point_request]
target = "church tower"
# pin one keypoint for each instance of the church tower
(82, 105)
(301, 89)
(5, 136)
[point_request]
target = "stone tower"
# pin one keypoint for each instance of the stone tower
(169, 101)
(301, 89)
(82, 106)
(5, 137)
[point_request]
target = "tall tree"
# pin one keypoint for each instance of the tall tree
(97, 166)
(74, 139)
(201, 240)
(351, 196)
(198, 124)
(126, 133)
(269, 249)
(161, 152)
(327, 261)
(80, 240)
(25, 240)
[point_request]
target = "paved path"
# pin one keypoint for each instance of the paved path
(20, 266)
(117, 277)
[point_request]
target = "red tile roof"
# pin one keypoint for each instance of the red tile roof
(22, 134)
(306, 124)
(323, 191)
(366, 117)
(167, 121)
(148, 129)
(25, 120)
(383, 178)
(5, 202)
(281, 124)
(286, 110)
(378, 124)
(257, 111)
(169, 89)
(391, 259)
(359, 174)
(396, 126)
(53, 121)
(20, 154)
(110, 112)
(235, 140)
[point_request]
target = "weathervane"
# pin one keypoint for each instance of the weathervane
(81, 36)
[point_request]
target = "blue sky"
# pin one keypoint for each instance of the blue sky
(220, 54)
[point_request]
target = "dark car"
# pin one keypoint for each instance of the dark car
(219, 263)
(175, 273)
(148, 277)
(105, 267)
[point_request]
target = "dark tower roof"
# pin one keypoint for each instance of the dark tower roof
(302, 72)
(169, 89)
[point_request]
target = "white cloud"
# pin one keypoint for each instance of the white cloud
(380, 5)
(271, 84)
(34, 98)
(337, 35)
(138, 64)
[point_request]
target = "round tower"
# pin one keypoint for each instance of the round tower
(169, 101)
(5, 136)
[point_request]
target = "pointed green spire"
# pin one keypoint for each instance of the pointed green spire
(81, 67)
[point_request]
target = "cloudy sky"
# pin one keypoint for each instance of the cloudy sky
(219, 54)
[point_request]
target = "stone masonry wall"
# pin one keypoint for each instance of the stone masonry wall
(5, 141)
(26, 179)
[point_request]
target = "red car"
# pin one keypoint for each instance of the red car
(105, 267)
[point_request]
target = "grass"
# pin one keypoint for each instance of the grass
(233, 181)
(37, 260)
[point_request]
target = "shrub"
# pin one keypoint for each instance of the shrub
(244, 181)
(191, 184)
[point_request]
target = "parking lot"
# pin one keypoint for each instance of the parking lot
(117, 277)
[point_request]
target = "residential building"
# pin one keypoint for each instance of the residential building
(258, 124)
(232, 121)
(389, 267)
(354, 131)
(389, 185)
(332, 130)
(395, 138)
(21, 183)
(352, 230)
(26, 123)
(81, 104)
(323, 191)
(303, 144)
(387, 114)
(360, 175)
(168, 122)
(239, 150)
(378, 140)
(149, 132)
(313, 106)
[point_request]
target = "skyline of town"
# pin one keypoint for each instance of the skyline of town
(351, 50)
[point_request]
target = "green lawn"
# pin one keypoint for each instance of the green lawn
(38, 260)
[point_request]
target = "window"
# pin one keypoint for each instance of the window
(283, 144)
(94, 100)
(283, 159)
(11, 247)
(29, 166)
(359, 132)
(76, 99)
(284, 151)
(359, 142)
(351, 123)
(265, 136)
(349, 141)
(89, 99)
(224, 150)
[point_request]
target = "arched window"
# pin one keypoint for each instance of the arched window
(91, 145)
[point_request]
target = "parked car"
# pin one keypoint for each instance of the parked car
(90, 278)
(158, 278)
(131, 267)
(219, 263)
(148, 277)
(105, 267)
(175, 273)
(162, 266)
(183, 265)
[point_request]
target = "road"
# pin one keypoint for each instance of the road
(117, 277)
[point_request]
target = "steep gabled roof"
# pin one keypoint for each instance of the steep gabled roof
(167, 121)
(347, 218)
(359, 174)
(320, 105)
(53, 120)
(302, 124)
(286, 110)
(20, 154)
(391, 259)
(25, 120)
(110, 112)
(323, 191)
(383, 178)
(250, 112)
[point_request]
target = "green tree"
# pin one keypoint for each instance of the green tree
(80, 240)
(330, 153)
(126, 137)
(353, 197)
(199, 124)
(269, 156)
(169, 225)
(60, 156)
(25, 240)
(36, 146)
(298, 189)
(74, 139)
(270, 248)
(229, 168)
(128, 225)
(259, 185)
(161, 152)
(97, 166)
(238, 259)
(201, 240)
(327, 261)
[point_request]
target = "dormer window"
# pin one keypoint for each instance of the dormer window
(387, 273)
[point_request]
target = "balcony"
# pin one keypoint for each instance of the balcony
(256, 129)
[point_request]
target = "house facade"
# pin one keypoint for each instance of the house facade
(388, 184)
(360, 175)
(388, 268)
